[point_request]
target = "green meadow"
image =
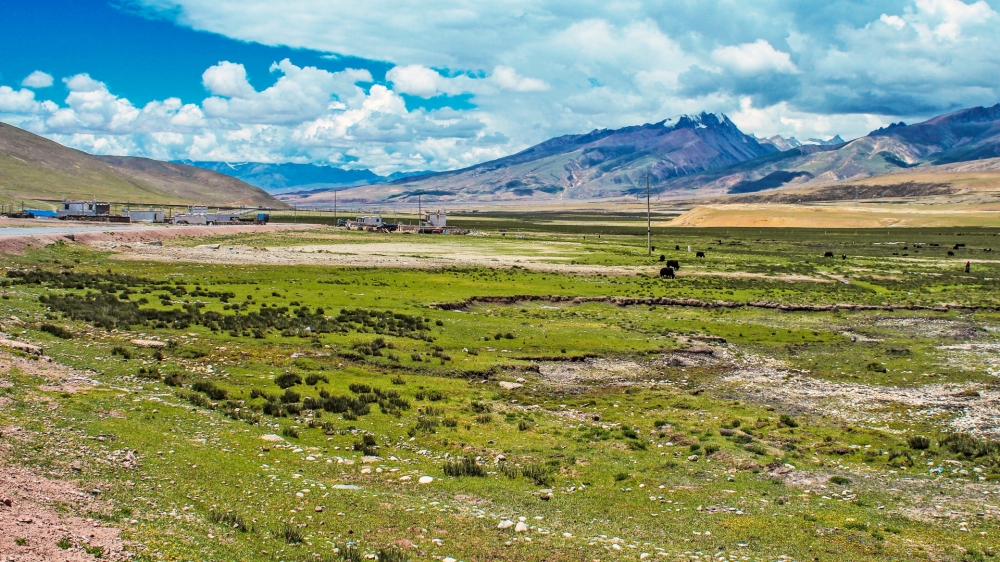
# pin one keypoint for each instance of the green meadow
(317, 412)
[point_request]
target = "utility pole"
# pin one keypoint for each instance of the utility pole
(649, 234)
(334, 208)
(419, 212)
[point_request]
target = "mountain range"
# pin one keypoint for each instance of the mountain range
(291, 177)
(33, 169)
(691, 156)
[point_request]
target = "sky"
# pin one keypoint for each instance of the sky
(391, 85)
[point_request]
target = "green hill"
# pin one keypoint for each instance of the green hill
(39, 171)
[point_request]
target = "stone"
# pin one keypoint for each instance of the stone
(77, 466)
(520, 380)
(272, 438)
(319, 509)
(505, 524)
(8, 502)
(521, 527)
(693, 458)
(346, 487)
(425, 480)
(510, 385)
(406, 478)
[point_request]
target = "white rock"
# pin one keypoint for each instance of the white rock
(505, 524)
(521, 527)
(425, 480)
(644, 556)
(449, 559)
(510, 385)
(272, 438)
(406, 478)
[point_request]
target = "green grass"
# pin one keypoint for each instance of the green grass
(614, 451)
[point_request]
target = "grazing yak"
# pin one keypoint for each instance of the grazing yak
(828, 255)
(666, 273)
(674, 264)
(699, 254)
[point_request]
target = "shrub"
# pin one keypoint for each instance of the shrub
(287, 380)
(391, 553)
(351, 553)
(291, 534)
(636, 445)
(524, 425)
(290, 397)
(484, 418)
(416, 357)
(398, 380)
(918, 442)
(839, 480)
(64, 543)
(231, 520)
(660, 423)
(465, 467)
(755, 448)
(213, 392)
(57, 331)
(629, 433)
(711, 449)
(538, 473)
(359, 388)
(195, 399)
(622, 476)
(313, 379)
(788, 421)
(876, 367)
(173, 379)
(481, 408)
(122, 352)
(434, 395)
(449, 422)
(290, 432)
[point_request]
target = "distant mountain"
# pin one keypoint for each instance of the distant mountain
(286, 178)
(35, 168)
(601, 163)
(965, 135)
(782, 143)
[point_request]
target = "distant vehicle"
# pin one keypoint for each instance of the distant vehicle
(200, 215)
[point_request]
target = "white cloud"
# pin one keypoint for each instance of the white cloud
(895, 22)
(37, 79)
(418, 80)
(227, 79)
(536, 69)
(300, 93)
(754, 58)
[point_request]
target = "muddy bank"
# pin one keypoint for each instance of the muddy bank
(694, 303)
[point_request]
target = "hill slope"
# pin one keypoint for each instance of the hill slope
(34, 168)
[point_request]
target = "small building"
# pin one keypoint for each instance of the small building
(84, 208)
(369, 221)
(437, 220)
(150, 215)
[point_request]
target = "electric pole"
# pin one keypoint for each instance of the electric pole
(649, 234)
(335, 208)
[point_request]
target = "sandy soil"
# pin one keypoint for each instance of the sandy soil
(766, 380)
(20, 243)
(404, 255)
(844, 216)
(34, 514)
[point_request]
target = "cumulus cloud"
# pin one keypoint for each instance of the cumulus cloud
(753, 58)
(418, 80)
(37, 79)
(538, 69)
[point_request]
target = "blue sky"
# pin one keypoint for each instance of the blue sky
(443, 84)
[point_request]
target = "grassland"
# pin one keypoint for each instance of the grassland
(288, 411)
